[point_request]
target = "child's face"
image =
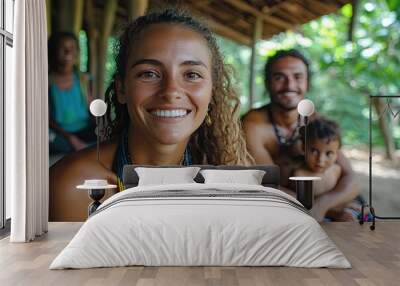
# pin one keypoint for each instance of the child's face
(168, 83)
(322, 154)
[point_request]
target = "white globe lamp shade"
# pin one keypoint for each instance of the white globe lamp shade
(98, 107)
(305, 107)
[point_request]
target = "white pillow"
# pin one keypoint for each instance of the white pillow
(162, 176)
(248, 177)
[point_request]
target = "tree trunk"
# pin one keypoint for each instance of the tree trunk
(353, 20)
(384, 126)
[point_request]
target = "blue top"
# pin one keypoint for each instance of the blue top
(69, 108)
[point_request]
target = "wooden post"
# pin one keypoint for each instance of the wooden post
(109, 11)
(257, 32)
(137, 8)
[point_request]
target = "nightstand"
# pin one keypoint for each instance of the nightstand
(96, 190)
(304, 190)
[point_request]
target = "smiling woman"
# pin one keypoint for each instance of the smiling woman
(170, 103)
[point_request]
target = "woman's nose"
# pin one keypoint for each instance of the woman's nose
(171, 90)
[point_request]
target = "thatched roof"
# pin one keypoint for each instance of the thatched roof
(235, 19)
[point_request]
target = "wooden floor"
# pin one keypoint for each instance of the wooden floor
(375, 256)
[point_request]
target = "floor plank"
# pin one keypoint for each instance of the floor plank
(374, 255)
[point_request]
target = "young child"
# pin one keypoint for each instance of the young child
(323, 144)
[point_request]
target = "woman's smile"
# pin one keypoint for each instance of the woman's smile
(169, 114)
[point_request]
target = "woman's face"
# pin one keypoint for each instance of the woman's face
(168, 84)
(67, 52)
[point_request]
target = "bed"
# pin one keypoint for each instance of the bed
(201, 224)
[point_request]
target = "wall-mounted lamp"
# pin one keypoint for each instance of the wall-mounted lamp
(96, 187)
(305, 108)
(98, 108)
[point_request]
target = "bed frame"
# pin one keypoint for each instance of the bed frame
(271, 178)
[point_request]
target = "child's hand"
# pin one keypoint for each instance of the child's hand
(319, 209)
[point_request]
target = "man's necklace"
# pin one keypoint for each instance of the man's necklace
(282, 140)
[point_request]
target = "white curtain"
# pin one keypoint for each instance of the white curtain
(27, 124)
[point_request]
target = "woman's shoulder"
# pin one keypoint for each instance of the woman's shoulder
(86, 161)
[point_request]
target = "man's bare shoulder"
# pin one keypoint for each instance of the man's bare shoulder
(256, 117)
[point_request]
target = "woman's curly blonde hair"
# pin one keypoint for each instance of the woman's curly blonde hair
(218, 141)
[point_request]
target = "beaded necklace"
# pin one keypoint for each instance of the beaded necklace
(284, 141)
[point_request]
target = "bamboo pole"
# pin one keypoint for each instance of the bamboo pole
(77, 16)
(92, 34)
(137, 8)
(109, 13)
(257, 32)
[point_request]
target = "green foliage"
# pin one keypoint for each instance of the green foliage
(83, 46)
(344, 73)
(110, 62)
(394, 5)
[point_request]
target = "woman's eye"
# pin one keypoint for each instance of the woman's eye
(148, 75)
(193, 76)
(329, 154)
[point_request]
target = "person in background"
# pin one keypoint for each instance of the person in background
(323, 144)
(71, 126)
(170, 102)
(272, 130)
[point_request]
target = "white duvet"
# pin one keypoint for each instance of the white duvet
(201, 224)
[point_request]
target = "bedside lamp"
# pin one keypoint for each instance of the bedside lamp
(305, 108)
(96, 187)
(98, 108)
(304, 188)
